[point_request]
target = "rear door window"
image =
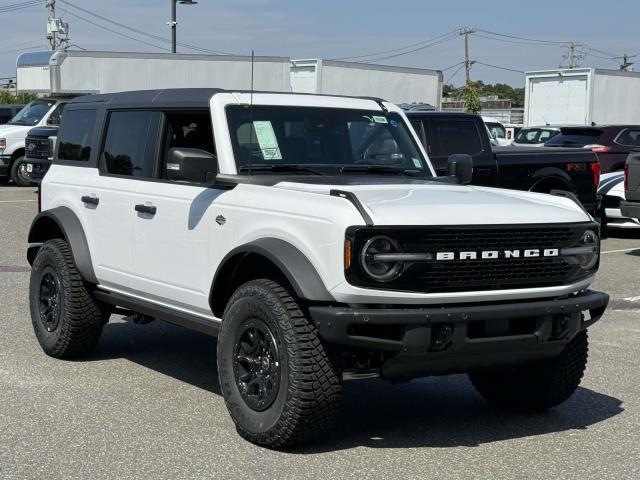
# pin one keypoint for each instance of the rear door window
(455, 136)
(575, 137)
(125, 144)
(76, 135)
(629, 137)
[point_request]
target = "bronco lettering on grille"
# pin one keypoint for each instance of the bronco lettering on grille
(495, 254)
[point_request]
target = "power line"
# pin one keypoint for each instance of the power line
(499, 67)
(452, 66)
(138, 31)
(375, 54)
(439, 42)
(114, 31)
(454, 74)
(20, 6)
(534, 40)
(40, 45)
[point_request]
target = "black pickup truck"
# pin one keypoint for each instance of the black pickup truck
(534, 169)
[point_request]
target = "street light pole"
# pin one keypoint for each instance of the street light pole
(173, 23)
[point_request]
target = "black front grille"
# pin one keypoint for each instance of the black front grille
(433, 276)
(37, 147)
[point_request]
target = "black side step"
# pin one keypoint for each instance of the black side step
(167, 314)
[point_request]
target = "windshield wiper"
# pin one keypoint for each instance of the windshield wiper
(281, 167)
(378, 169)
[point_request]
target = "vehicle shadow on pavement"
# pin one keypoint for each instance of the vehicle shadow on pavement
(437, 412)
(443, 412)
(180, 353)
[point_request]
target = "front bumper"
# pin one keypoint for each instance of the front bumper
(38, 168)
(630, 209)
(5, 161)
(438, 340)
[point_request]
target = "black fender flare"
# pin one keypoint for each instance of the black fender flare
(43, 228)
(296, 267)
(550, 173)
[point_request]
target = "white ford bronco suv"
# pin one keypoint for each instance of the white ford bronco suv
(310, 235)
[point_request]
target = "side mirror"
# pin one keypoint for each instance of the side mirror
(191, 165)
(460, 166)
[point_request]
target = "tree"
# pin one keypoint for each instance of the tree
(470, 94)
(8, 97)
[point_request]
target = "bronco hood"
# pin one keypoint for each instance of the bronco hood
(435, 203)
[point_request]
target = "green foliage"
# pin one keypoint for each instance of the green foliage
(502, 90)
(8, 97)
(470, 94)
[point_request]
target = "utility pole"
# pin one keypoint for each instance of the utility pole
(573, 55)
(626, 64)
(51, 32)
(467, 63)
(57, 30)
(174, 23)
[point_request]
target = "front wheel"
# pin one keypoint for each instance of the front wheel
(19, 172)
(536, 386)
(276, 377)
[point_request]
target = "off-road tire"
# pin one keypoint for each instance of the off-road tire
(539, 385)
(15, 175)
(309, 389)
(81, 316)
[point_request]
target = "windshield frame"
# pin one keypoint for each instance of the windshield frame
(425, 170)
(26, 108)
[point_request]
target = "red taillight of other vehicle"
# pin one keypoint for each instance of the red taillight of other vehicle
(595, 168)
(626, 177)
(597, 148)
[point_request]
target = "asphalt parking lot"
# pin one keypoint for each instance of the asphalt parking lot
(147, 404)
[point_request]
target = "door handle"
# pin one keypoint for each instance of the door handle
(150, 209)
(90, 199)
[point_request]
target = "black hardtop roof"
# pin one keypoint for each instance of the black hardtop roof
(175, 97)
(427, 113)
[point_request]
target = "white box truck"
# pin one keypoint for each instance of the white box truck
(399, 85)
(581, 96)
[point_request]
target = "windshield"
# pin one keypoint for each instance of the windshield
(322, 140)
(497, 130)
(575, 137)
(535, 135)
(32, 113)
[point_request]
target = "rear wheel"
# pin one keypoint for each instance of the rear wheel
(276, 377)
(536, 386)
(66, 317)
(19, 172)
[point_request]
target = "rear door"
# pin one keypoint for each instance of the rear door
(109, 195)
(172, 247)
(558, 100)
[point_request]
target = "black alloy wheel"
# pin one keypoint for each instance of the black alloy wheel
(50, 300)
(256, 365)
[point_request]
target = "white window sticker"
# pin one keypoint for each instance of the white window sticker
(267, 140)
(417, 163)
(379, 119)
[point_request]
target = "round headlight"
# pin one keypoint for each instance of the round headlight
(377, 259)
(589, 258)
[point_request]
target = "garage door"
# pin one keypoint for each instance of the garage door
(560, 100)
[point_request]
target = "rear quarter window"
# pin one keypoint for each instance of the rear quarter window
(76, 135)
(575, 137)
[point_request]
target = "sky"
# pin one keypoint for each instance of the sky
(349, 28)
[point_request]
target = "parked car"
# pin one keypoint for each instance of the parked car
(497, 131)
(8, 111)
(314, 240)
(630, 207)
(534, 136)
(535, 169)
(611, 191)
(612, 143)
(40, 112)
(39, 148)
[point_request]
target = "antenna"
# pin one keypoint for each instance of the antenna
(251, 115)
